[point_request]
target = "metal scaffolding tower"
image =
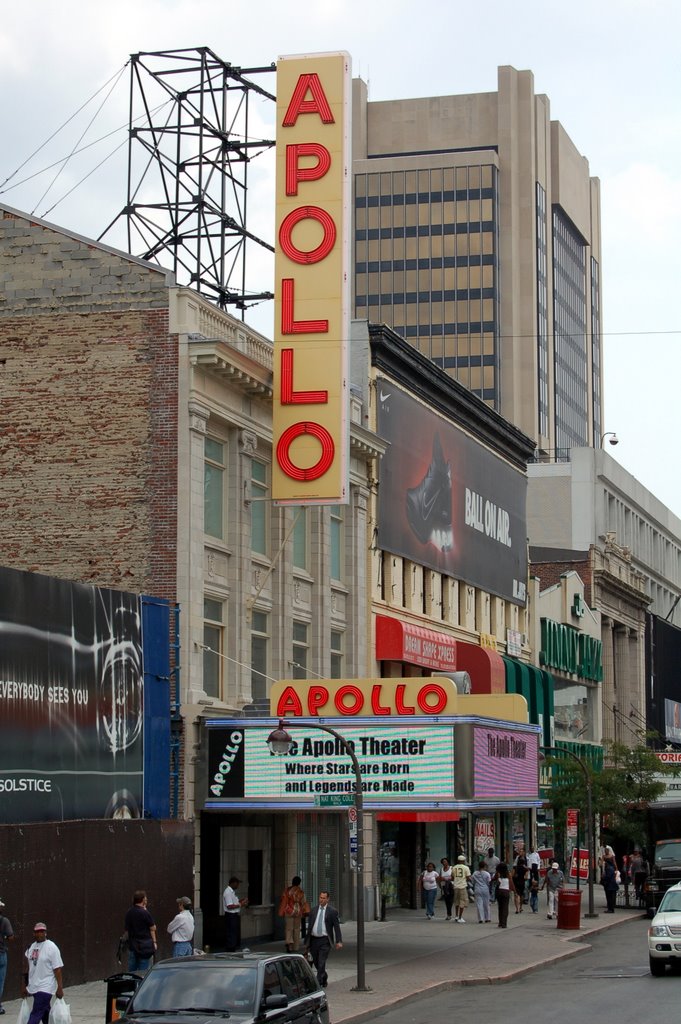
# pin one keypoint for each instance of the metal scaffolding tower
(189, 153)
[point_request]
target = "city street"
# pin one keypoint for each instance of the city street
(611, 981)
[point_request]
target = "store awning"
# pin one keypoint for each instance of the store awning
(403, 641)
(418, 816)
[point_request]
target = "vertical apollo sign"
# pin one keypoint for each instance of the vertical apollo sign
(310, 426)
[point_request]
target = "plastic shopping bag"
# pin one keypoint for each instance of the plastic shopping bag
(60, 1012)
(24, 1011)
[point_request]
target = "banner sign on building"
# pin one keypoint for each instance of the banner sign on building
(71, 688)
(412, 765)
(446, 501)
(312, 290)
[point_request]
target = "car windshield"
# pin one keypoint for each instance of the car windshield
(666, 852)
(218, 987)
(671, 902)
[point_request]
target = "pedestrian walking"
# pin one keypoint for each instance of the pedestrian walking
(293, 907)
(140, 931)
(610, 884)
(42, 976)
(520, 873)
(554, 879)
(6, 935)
(492, 865)
(181, 928)
(429, 879)
(534, 889)
(504, 889)
(638, 869)
(323, 931)
(445, 880)
(460, 875)
(481, 879)
(232, 906)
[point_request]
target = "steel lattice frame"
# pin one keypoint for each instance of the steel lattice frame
(189, 152)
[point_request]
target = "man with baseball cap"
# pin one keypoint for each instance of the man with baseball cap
(181, 928)
(42, 978)
(6, 933)
(553, 881)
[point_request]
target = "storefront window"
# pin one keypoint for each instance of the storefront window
(574, 711)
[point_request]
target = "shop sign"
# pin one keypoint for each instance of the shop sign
(483, 835)
(546, 859)
(311, 329)
(583, 864)
(497, 763)
(489, 641)
(403, 765)
(514, 643)
(353, 698)
(404, 641)
(567, 650)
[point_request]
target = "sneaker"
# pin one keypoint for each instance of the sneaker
(429, 504)
(549, 917)
(461, 920)
(448, 918)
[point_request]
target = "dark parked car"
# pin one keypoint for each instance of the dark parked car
(241, 986)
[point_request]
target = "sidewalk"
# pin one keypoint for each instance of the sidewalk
(407, 955)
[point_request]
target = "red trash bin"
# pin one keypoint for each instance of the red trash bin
(569, 908)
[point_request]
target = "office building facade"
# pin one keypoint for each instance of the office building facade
(477, 239)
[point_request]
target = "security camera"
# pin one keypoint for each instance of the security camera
(614, 439)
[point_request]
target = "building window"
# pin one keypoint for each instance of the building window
(260, 643)
(336, 541)
(542, 315)
(300, 545)
(259, 508)
(596, 352)
(570, 333)
(300, 650)
(213, 638)
(336, 654)
(214, 488)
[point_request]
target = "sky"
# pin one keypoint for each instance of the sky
(612, 73)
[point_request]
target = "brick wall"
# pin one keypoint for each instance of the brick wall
(88, 416)
(549, 574)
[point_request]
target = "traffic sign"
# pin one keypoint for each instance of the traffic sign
(352, 813)
(334, 800)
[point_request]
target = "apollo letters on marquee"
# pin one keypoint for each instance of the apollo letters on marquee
(310, 427)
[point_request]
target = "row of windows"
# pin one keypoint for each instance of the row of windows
(467, 227)
(459, 195)
(447, 265)
(426, 181)
(215, 478)
(449, 295)
(596, 348)
(214, 658)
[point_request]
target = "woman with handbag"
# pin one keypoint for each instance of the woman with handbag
(293, 907)
(447, 886)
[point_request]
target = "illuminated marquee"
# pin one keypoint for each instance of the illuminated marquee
(352, 698)
(310, 446)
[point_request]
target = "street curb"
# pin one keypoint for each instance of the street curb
(497, 979)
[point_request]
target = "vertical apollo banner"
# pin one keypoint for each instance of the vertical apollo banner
(311, 329)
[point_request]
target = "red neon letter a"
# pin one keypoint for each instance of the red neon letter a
(299, 105)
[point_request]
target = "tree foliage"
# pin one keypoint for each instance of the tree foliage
(621, 792)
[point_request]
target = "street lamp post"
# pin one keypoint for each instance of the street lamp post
(589, 823)
(279, 741)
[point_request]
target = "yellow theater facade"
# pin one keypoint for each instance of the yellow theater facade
(428, 755)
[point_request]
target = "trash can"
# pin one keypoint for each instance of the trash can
(119, 985)
(569, 908)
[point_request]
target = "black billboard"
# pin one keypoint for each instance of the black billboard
(71, 687)
(447, 502)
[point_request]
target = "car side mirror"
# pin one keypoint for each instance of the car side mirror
(276, 1002)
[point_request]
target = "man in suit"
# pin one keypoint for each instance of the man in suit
(323, 929)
